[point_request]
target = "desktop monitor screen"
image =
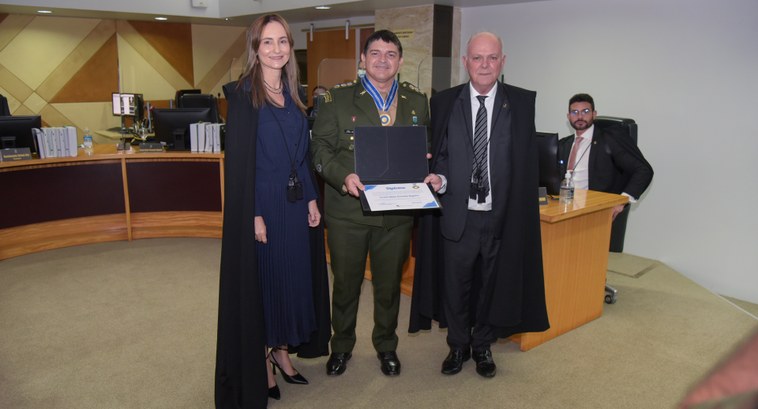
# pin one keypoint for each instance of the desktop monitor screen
(550, 170)
(172, 125)
(200, 101)
(16, 131)
(127, 104)
(180, 92)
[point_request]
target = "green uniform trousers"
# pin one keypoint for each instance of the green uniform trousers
(349, 243)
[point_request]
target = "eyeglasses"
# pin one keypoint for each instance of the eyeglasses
(576, 112)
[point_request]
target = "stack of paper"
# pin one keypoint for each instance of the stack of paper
(205, 137)
(56, 142)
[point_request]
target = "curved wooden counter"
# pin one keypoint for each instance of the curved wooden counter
(109, 196)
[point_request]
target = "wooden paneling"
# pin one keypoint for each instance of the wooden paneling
(60, 191)
(173, 41)
(331, 45)
(17, 241)
(96, 80)
(176, 224)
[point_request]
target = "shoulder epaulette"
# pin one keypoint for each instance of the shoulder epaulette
(346, 84)
(409, 86)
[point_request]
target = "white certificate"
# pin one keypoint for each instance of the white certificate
(400, 196)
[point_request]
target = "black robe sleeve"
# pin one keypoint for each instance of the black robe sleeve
(240, 349)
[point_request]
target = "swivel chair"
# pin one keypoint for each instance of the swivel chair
(618, 228)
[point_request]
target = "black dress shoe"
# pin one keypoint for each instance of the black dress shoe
(337, 363)
(390, 363)
(485, 366)
(454, 361)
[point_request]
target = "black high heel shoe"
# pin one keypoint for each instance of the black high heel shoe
(274, 393)
(296, 378)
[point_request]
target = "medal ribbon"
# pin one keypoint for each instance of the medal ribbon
(381, 103)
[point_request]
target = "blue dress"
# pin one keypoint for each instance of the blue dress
(284, 263)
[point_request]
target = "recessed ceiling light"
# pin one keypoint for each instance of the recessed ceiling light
(44, 11)
(161, 18)
(323, 7)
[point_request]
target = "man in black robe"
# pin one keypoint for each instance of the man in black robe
(479, 267)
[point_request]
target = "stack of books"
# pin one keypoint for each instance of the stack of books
(205, 137)
(56, 142)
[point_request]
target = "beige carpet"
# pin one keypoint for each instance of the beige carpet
(132, 325)
(629, 264)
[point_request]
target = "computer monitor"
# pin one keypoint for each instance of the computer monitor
(16, 131)
(200, 101)
(550, 170)
(128, 104)
(172, 125)
(181, 92)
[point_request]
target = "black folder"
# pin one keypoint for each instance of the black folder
(391, 154)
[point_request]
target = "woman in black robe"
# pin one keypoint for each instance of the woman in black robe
(263, 101)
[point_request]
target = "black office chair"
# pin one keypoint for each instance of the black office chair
(618, 228)
(200, 101)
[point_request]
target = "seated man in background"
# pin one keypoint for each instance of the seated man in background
(602, 159)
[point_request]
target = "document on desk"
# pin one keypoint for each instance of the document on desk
(391, 162)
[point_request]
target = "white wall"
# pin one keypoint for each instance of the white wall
(687, 72)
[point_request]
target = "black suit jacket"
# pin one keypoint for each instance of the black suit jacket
(616, 164)
(516, 297)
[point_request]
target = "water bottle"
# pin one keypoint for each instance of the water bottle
(567, 189)
(87, 142)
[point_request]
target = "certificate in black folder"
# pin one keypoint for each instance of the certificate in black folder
(391, 162)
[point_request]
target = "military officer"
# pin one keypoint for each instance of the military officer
(374, 99)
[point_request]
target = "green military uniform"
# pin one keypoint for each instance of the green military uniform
(351, 233)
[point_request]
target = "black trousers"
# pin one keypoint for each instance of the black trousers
(618, 230)
(469, 265)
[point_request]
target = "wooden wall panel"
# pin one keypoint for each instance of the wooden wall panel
(96, 80)
(331, 44)
(173, 41)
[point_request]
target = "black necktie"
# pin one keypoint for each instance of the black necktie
(480, 180)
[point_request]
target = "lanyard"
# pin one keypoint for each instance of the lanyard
(284, 138)
(576, 162)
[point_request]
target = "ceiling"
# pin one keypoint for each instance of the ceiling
(294, 13)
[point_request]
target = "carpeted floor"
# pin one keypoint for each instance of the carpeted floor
(133, 325)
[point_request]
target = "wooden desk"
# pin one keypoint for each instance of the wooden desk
(109, 196)
(575, 240)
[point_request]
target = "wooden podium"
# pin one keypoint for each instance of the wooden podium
(575, 240)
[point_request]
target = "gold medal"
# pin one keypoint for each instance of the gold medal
(384, 119)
